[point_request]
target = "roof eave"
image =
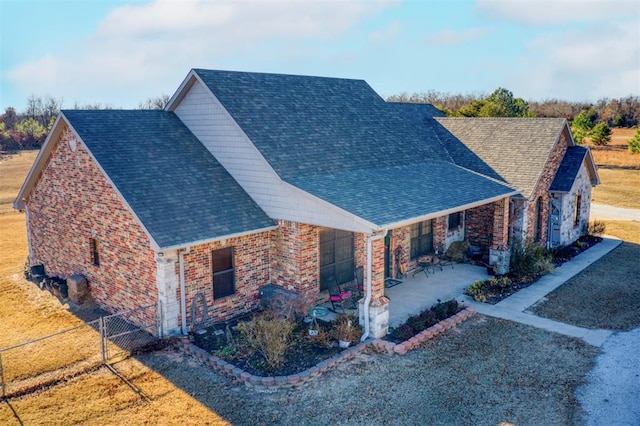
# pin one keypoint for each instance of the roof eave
(214, 239)
(181, 91)
(40, 162)
(410, 221)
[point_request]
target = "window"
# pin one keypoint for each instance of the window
(455, 219)
(576, 210)
(537, 225)
(421, 238)
(223, 273)
(94, 249)
(336, 257)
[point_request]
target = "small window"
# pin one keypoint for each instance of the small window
(95, 251)
(455, 219)
(576, 210)
(223, 273)
(537, 226)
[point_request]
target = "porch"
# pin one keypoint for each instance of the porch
(419, 291)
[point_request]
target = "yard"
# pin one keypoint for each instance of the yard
(485, 371)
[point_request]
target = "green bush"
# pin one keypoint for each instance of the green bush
(634, 144)
(529, 260)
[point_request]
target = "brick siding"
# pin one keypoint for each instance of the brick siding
(73, 202)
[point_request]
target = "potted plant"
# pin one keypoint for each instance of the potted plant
(345, 330)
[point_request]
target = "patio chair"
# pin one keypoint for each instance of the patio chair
(337, 296)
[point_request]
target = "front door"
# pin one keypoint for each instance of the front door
(555, 214)
(336, 257)
(387, 256)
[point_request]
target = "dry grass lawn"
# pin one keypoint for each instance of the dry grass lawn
(619, 172)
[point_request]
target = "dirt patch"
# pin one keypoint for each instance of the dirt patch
(606, 295)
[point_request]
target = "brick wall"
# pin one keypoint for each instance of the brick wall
(542, 190)
(251, 257)
(73, 202)
(295, 257)
(479, 226)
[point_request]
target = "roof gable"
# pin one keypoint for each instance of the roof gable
(179, 192)
(516, 149)
(568, 169)
(315, 125)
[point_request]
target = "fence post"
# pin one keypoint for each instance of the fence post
(2, 376)
(102, 339)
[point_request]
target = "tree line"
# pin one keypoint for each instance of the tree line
(29, 129)
(592, 120)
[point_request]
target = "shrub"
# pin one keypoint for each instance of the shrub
(270, 335)
(476, 290)
(597, 227)
(634, 144)
(529, 261)
(345, 328)
(403, 332)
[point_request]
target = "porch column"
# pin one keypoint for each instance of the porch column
(379, 307)
(167, 283)
(499, 254)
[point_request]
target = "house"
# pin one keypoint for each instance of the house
(248, 179)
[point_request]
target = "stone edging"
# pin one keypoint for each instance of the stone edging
(261, 383)
(402, 348)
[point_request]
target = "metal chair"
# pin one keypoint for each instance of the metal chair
(337, 296)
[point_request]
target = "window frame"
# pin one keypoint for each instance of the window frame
(576, 210)
(94, 251)
(457, 220)
(222, 292)
(418, 247)
(537, 225)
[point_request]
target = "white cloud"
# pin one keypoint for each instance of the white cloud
(139, 51)
(600, 60)
(387, 35)
(453, 38)
(553, 12)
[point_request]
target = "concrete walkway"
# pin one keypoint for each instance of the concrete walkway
(604, 211)
(514, 308)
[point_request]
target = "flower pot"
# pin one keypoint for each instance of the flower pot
(344, 343)
(313, 332)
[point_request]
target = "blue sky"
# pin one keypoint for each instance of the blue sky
(120, 53)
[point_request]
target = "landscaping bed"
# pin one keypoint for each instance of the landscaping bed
(417, 323)
(528, 263)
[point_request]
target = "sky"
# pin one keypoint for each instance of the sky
(121, 52)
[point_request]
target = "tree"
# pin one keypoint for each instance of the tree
(30, 133)
(158, 102)
(500, 103)
(634, 144)
(42, 109)
(601, 134)
(582, 125)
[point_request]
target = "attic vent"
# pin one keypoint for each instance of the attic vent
(73, 142)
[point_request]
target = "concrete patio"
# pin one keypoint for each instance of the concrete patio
(421, 291)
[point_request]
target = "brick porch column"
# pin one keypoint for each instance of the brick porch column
(499, 254)
(379, 307)
(167, 283)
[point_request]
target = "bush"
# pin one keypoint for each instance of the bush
(597, 227)
(270, 335)
(476, 290)
(634, 144)
(425, 319)
(529, 261)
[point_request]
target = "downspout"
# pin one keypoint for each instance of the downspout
(26, 212)
(367, 300)
(183, 296)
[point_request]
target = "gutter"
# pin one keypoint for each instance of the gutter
(367, 300)
(183, 296)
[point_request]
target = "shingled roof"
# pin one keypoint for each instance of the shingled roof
(517, 149)
(569, 168)
(180, 193)
(316, 130)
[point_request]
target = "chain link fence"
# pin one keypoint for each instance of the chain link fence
(50, 359)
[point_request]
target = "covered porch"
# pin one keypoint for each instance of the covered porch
(419, 291)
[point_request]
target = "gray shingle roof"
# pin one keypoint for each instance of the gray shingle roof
(386, 196)
(316, 125)
(337, 139)
(517, 149)
(569, 168)
(174, 185)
